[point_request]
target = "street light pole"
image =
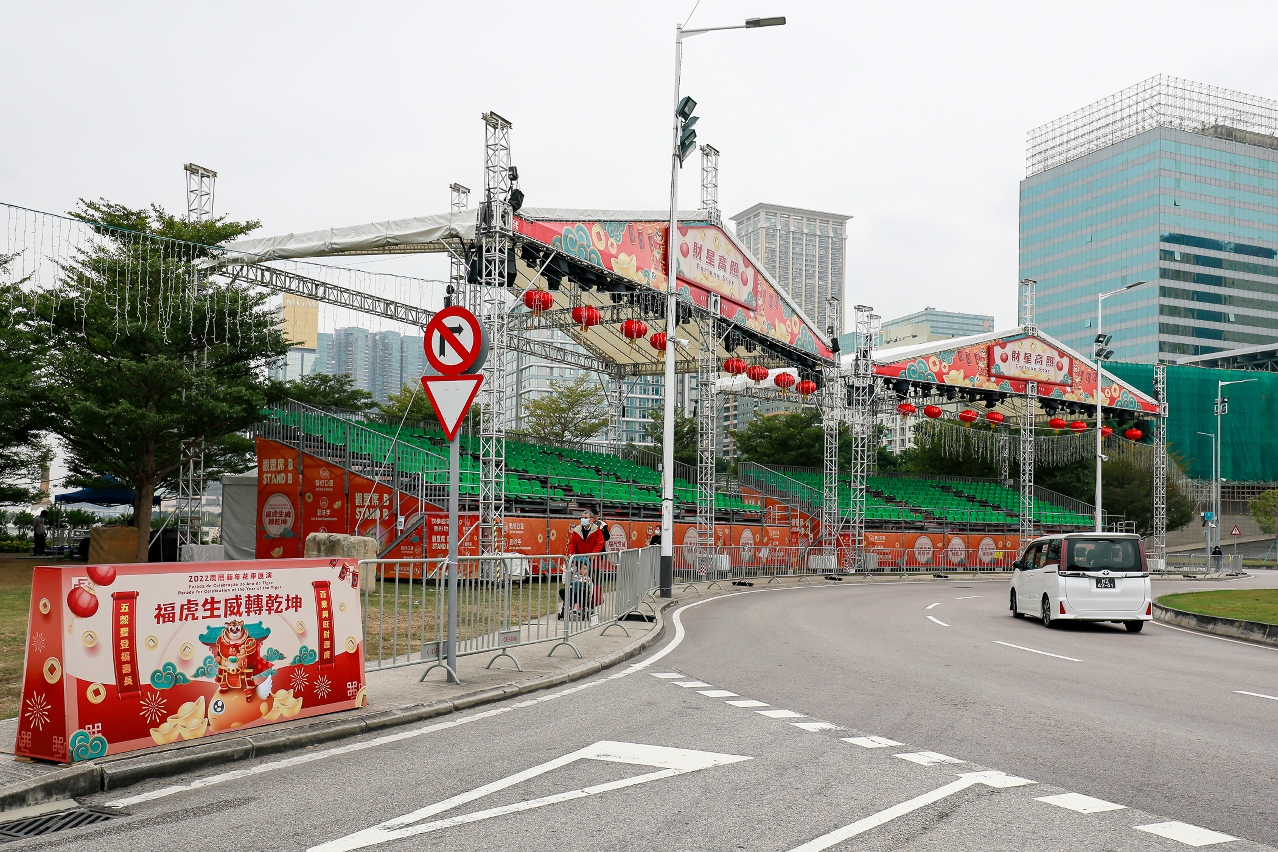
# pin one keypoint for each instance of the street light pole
(1216, 454)
(666, 578)
(1101, 356)
(1214, 523)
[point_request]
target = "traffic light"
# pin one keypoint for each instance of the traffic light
(687, 136)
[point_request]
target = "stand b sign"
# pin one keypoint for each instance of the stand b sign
(455, 346)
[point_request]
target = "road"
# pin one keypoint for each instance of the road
(853, 716)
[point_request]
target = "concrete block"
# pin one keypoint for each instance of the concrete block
(81, 780)
(339, 546)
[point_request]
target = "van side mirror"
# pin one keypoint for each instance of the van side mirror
(1016, 566)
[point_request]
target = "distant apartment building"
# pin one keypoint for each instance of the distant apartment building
(803, 251)
(1168, 182)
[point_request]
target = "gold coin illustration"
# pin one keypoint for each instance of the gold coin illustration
(187, 651)
(44, 606)
(89, 638)
(300, 627)
(361, 697)
(95, 693)
(151, 643)
(351, 643)
(341, 607)
(52, 670)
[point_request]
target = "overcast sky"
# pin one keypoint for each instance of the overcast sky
(910, 117)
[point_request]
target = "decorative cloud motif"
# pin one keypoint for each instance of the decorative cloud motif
(168, 676)
(85, 747)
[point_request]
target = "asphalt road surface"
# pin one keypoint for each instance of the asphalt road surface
(875, 717)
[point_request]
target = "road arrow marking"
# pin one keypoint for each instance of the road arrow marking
(668, 762)
(968, 779)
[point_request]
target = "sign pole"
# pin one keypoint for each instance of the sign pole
(454, 481)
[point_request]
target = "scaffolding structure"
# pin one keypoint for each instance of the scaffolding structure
(831, 417)
(496, 250)
(1158, 540)
(1160, 101)
(189, 511)
(707, 424)
(710, 184)
(1028, 411)
(861, 417)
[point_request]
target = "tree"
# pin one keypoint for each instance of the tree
(23, 454)
(685, 435)
(322, 390)
(789, 438)
(142, 363)
(1126, 489)
(572, 413)
(1264, 508)
(410, 402)
(81, 518)
(24, 521)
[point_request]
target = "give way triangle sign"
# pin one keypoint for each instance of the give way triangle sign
(451, 397)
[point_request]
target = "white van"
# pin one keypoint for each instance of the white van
(1084, 577)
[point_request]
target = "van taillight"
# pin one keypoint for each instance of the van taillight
(1149, 610)
(1062, 607)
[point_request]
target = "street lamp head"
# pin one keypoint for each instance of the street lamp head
(751, 23)
(685, 108)
(1133, 284)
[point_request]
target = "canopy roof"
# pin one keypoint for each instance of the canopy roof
(1005, 362)
(617, 261)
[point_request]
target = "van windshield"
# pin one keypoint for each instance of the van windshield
(1104, 554)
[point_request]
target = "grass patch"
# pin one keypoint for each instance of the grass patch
(15, 600)
(1244, 604)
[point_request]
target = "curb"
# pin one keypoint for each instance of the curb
(89, 778)
(1256, 632)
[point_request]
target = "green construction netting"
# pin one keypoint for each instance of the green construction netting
(1249, 452)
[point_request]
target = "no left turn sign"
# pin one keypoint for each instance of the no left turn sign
(455, 342)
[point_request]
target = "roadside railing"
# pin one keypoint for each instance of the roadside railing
(504, 603)
(1223, 563)
(718, 565)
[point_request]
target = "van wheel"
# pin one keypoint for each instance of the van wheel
(1047, 612)
(1134, 626)
(1016, 613)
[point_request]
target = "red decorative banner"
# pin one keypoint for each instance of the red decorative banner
(124, 621)
(324, 612)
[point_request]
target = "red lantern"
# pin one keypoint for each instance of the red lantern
(586, 316)
(905, 409)
(103, 575)
(994, 417)
(1106, 431)
(1078, 426)
(82, 602)
(756, 373)
(1133, 434)
(633, 329)
(933, 411)
(968, 416)
(783, 381)
(538, 301)
(1057, 423)
(734, 366)
(658, 341)
(807, 387)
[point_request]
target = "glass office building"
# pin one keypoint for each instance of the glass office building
(1170, 182)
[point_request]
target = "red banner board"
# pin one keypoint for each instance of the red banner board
(122, 657)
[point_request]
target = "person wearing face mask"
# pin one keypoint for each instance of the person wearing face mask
(590, 536)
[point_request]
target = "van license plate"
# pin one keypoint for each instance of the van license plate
(1105, 583)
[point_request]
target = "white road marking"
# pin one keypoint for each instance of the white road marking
(668, 761)
(1082, 804)
(871, 742)
(967, 597)
(1205, 635)
(747, 702)
(938, 621)
(689, 684)
(716, 693)
(1183, 832)
(666, 675)
(1034, 651)
(1257, 694)
(992, 779)
(780, 714)
(928, 758)
(816, 726)
(929, 606)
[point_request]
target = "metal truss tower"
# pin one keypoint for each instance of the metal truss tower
(831, 417)
(707, 423)
(1028, 411)
(710, 183)
(1158, 544)
(861, 402)
(494, 236)
(458, 201)
(616, 394)
(200, 183)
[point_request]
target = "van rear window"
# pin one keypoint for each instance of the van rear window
(1104, 554)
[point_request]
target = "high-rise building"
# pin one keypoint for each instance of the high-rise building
(930, 324)
(803, 251)
(1169, 182)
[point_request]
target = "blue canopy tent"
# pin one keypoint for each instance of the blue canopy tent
(101, 497)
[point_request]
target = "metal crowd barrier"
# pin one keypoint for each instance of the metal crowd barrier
(503, 603)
